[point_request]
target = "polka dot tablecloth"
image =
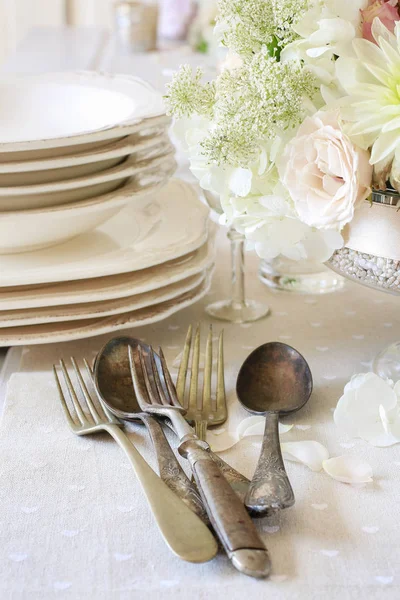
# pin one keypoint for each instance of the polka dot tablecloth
(75, 525)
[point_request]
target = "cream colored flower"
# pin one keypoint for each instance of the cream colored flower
(326, 31)
(369, 409)
(326, 175)
(372, 108)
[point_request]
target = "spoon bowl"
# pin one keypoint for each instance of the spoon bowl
(113, 378)
(113, 381)
(275, 380)
(275, 377)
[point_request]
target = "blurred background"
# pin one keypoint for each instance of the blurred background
(191, 20)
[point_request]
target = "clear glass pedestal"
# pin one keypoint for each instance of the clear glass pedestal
(300, 277)
(237, 309)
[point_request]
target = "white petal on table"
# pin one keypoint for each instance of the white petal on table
(308, 452)
(348, 469)
(220, 442)
(255, 426)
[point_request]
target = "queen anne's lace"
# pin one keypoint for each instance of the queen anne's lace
(188, 96)
(247, 25)
(236, 128)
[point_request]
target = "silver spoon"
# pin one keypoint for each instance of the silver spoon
(113, 383)
(274, 380)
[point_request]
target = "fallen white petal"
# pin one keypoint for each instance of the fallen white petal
(309, 453)
(255, 426)
(348, 469)
(221, 442)
(250, 422)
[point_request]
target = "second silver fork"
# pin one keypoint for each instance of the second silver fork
(202, 408)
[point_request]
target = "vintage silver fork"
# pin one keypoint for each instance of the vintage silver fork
(156, 394)
(202, 408)
(183, 531)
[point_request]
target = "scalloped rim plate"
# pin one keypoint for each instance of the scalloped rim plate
(63, 332)
(103, 308)
(172, 222)
(111, 287)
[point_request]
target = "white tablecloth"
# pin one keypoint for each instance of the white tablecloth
(75, 525)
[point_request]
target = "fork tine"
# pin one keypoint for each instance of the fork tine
(165, 399)
(85, 392)
(140, 390)
(145, 375)
(194, 377)
(108, 415)
(221, 394)
(168, 380)
(208, 372)
(64, 405)
(79, 412)
(183, 368)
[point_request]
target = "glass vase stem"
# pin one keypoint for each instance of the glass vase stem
(237, 278)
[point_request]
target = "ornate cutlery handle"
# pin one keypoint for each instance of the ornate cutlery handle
(226, 512)
(185, 534)
(270, 488)
(170, 470)
(238, 482)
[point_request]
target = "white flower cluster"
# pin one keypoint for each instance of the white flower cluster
(370, 409)
(277, 135)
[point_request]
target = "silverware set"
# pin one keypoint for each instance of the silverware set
(130, 381)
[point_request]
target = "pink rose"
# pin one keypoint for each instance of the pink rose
(386, 10)
(325, 174)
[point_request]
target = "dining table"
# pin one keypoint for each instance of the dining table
(73, 522)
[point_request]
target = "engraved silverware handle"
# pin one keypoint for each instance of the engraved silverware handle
(227, 514)
(184, 533)
(270, 488)
(170, 470)
(238, 482)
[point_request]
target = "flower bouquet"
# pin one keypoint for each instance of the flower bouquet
(299, 128)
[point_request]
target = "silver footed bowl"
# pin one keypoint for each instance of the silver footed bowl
(371, 237)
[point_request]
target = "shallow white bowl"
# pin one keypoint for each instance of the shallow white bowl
(40, 177)
(79, 164)
(82, 188)
(63, 109)
(27, 230)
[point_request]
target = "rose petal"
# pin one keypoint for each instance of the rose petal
(222, 441)
(348, 469)
(309, 453)
(256, 425)
(369, 409)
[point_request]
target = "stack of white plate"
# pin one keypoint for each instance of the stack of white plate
(95, 236)
(150, 260)
(75, 148)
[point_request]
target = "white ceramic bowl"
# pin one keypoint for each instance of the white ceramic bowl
(27, 230)
(79, 164)
(82, 188)
(63, 109)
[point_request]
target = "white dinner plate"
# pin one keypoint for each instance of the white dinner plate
(60, 108)
(112, 287)
(105, 308)
(82, 188)
(24, 231)
(66, 331)
(60, 167)
(172, 222)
